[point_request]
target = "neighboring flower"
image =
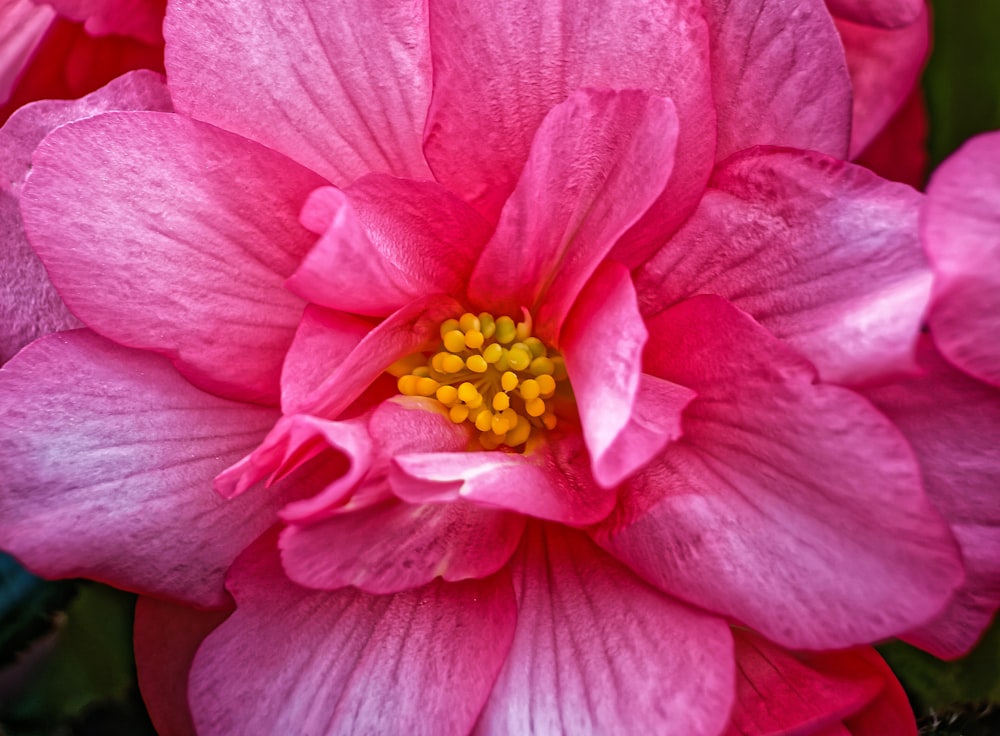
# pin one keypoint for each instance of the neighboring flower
(560, 340)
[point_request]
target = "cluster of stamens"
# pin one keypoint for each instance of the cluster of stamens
(491, 373)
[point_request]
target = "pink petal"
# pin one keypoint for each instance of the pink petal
(793, 507)
(386, 242)
(548, 483)
(779, 76)
(824, 254)
(951, 421)
(109, 456)
(961, 230)
(142, 19)
(598, 162)
(598, 651)
(166, 639)
(627, 417)
(498, 70)
(29, 304)
(419, 662)
(884, 13)
(885, 67)
(24, 24)
(396, 546)
(147, 240)
(899, 153)
(340, 87)
(777, 694)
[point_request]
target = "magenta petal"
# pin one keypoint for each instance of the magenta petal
(418, 662)
(598, 651)
(386, 242)
(824, 254)
(147, 240)
(141, 19)
(341, 87)
(109, 456)
(29, 304)
(883, 13)
(599, 160)
(793, 507)
(25, 24)
(961, 230)
(627, 417)
(779, 76)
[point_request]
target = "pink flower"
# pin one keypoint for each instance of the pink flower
(370, 188)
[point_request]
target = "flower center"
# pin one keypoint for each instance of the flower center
(491, 373)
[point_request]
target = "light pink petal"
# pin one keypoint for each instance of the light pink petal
(598, 651)
(548, 483)
(961, 230)
(598, 162)
(778, 694)
(142, 19)
(109, 457)
(884, 13)
(148, 241)
(341, 87)
(626, 416)
(779, 76)
(824, 254)
(385, 242)
(885, 67)
(499, 69)
(951, 421)
(166, 639)
(793, 507)
(29, 304)
(409, 330)
(420, 662)
(22, 26)
(396, 546)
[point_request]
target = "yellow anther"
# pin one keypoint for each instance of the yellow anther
(508, 380)
(437, 362)
(535, 407)
(421, 371)
(447, 394)
(452, 363)
(550, 421)
(476, 363)
(499, 424)
(489, 440)
(523, 329)
(492, 353)
(467, 392)
(458, 413)
(542, 366)
(529, 389)
(474, 339)
(535, 346)
(505, 330)
(468, 321)
(547, 385)
(510, 416)
(455, 341)
(518, 359)
(486, 324)
(407, 385)
(447, 326)
(484, 421)
(519, 434)
(405, 366)
(503, 362)
(501, 401)
(476, 402)
(427, 386)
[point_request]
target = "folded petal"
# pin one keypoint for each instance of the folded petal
(824, 254)
(340, 87)
(24, 23)
(29, 304)
(598, 651)
(599, 160)
(883, 13)
(142, 19)
(499, 68)
(899, 152)
(626, 416)
(419, 662)
(148, 241)
(961, 231)
(793, 507)
(109, 456)
(385, 242)
(778, 76)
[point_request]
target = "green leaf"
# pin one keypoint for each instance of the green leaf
(27, 605)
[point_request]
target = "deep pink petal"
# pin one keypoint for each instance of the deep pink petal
(961, 230)
(779, 76)
(900, 152)
(885, 67)
(24, 24)
(599, 651)
(29, 304)
(824, 254)
(498, 70)
(951, 421)
(340, 87)
(548, 483)
(148, 241)
(420, 662)
(778, 694)
(142, 19)
(386, 242)
(627, 417)
(166, 639)
(791, 506)
(883, 13)
(109, 457)
(598, 162)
